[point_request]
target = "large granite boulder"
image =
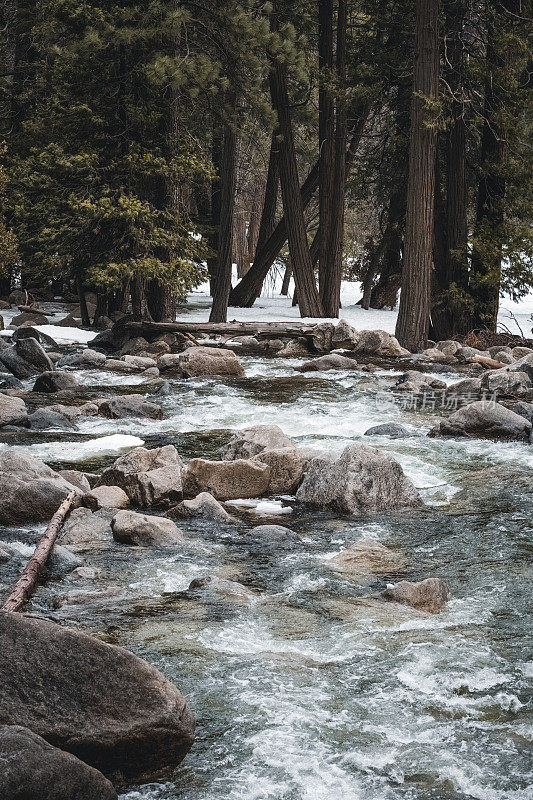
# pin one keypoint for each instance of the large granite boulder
(506, 383)
(287, 467)
(99, 702)
(484, 419)
(200, 362)
(226, 480)
(13, 410)
(86, 359)
(149, 477)
(130, 405)
(25, 358)
(378, 343)
(32, 769)
(29, 490)
(142, 529)
(249, 442)
(106, 497)
(524, 410)
(203, 505)
(418, 382)
(428, 595)
(362, 479)
(43, 419)
(85, 530)
(366, 558)
(391, 429)
(55, 381)
(333, 361)
(344, 336)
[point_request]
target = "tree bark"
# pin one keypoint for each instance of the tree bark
(326, 133)
(216, 206)
(240, 244)
(308, 298)
(286, 280)
(27, 583)
(139, 304)
(415, 302)
(331, 290)
(228, 181)
(85, 319)
(258, 202)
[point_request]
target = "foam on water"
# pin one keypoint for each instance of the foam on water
(82, 450)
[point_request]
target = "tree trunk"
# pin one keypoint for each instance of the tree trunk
(85, 319)
(216, 206)
(139, 304)
(326, 132)
(27, 583)
(308, 299)
(228, 180)
(415, 301)
(258, 202)
(286, 280)
(240, 244)
(331, 289)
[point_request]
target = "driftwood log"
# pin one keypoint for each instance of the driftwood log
(289, 329)
(26, 584)
(489, 363)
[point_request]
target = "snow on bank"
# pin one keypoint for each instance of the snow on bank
(273, 307)
(61, 335)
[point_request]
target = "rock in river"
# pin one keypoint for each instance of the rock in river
(362, 479)
(428, 595)
(484, 419)
(249, 442)
(130, 405)
(31, 769)
(142, 529)
(226, 480)
(97, 701)
(12, 410)
(149, 477)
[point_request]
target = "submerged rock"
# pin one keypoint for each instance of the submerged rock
(199, 362)
(226, 480)
(12, 410)
(43, 419)
(149, 477)
(249, 442)
(97, 701)
(368, 557)
(329, 362)
(484, 419)
(213, 589)
(391, 429)
(31, 769)
(362, 479)
(430, 594)
(141, 529)
(29, 490)
(130, 405)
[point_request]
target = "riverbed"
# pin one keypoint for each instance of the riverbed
(316, 689)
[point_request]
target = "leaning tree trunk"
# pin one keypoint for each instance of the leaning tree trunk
(308, 298)
(326, 142)
(415, 301)
(287, 275)
(228, 180)
(258, 202)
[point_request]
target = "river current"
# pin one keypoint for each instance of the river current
(315, 689)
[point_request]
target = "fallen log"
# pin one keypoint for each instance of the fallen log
(288, 329)
(27, 583)
(489, 363)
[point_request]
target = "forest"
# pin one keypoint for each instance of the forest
(266, 399)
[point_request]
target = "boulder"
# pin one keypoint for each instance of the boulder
(361, 479)
(141, 529)
(85, 529)
(106, 497)
(130, 405)
(29, 490)
(391, 429)
(54, 381)
(502, 356)
(43, 419)
(507, 383)
(226, 480)
(449, 347)
(378, 343)
(18, 297)
(466, 386)
(295, 348)
(12, 410)
(413, 381)
(484, 419)
(115, 365)
(76, 478)
(428, 595)
(524, 410)
(287, 467)
(29, 318)
(329, 362)
(10, 382)
(251, 441)
(149, 477)
(139, 361)
(520, 352)
(74, 412)
(344, 336)
(199, 362)
(367, 557)
(203, 505)
(29, 332)
(99, 702)
(87, 359)
(25, 358)
(277, 534)
(434, 354)
(31, 769)
(214, 590)
(524, 364)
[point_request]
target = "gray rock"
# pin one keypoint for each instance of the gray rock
(139, 361)
(524, 364)
(520, 352)
(141, 529)
(86, 359)
(10, 382)
(507, 383)
(12, 410)
(484, 419)
(31, 769)
(29, 332)
(449, 347)
(226, 480)
(212, 589)
(99, 702)
(329, 362)
(524, 410)
(287, 467)
(25, 358)
(344, 336)
(198, 362)
(54, 381)
(29, 490)
(76, 478)
(149, 477)
(367, 557)
(273, 533)
(251, 441)
(106, 497)
(203, 505)
(378, 343)
(29, 318)
(73, 413)
(43, 419)
(62, 561)
(130, 405)
(361, 479)
(84, 529)
(428, 595)
(466, 386)
(295, 348)
(413, 381)
(391, 429)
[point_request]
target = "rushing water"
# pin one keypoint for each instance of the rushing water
(315, 689)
